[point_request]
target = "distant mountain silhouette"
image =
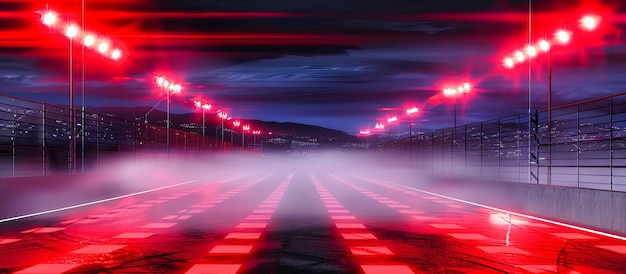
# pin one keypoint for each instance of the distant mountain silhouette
(182, 122)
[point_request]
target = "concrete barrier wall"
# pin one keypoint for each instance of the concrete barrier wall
(599, 209)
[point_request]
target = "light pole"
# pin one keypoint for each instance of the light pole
(453, 92)
(410, 113)
(71, 31)
(223, 116)
(236, 123)
(588, 23)
(255, 133)
(366, 133)
(243, 135)
(170, 88)
(204, 107)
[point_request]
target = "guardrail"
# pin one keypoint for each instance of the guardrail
(577, 145)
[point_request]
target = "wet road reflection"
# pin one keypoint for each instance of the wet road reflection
(299, 221)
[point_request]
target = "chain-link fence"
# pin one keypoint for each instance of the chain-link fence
(577, 145)
(36, 139)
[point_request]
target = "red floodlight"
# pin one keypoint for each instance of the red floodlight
(519, 56)
(364, 132)
(589, 22)
(206, 106)
(103, 47)
(531, 51)
(563, 36)
(116, 54)
(236, 123)
(544, 45)
(508, 62)
(89, 40)
(449, 91)
(412, 110)
(71, 31)
(380, 126)
(49, 18)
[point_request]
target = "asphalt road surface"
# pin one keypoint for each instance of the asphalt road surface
(297, 222)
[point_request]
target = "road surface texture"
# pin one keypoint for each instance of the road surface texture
(300, 221)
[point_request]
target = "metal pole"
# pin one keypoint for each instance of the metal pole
(167, 123)
(410, 140)
(13, 148)
(43, 137)
(243, 134)
(453, 133)
(203, 122)
(82, 134)
(549, 175)
(611, 143)
(72, 116)
(98, 142)
(203, 129)
(223, 134)
(529, 96)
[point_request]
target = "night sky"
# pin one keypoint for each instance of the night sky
(343, 64)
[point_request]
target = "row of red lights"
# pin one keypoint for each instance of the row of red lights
(168, 84)
(224, 116)
(102, 45)
(563, 36)
(448, 91)
(72, 31)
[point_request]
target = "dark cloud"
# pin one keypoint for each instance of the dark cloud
(329, 63)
